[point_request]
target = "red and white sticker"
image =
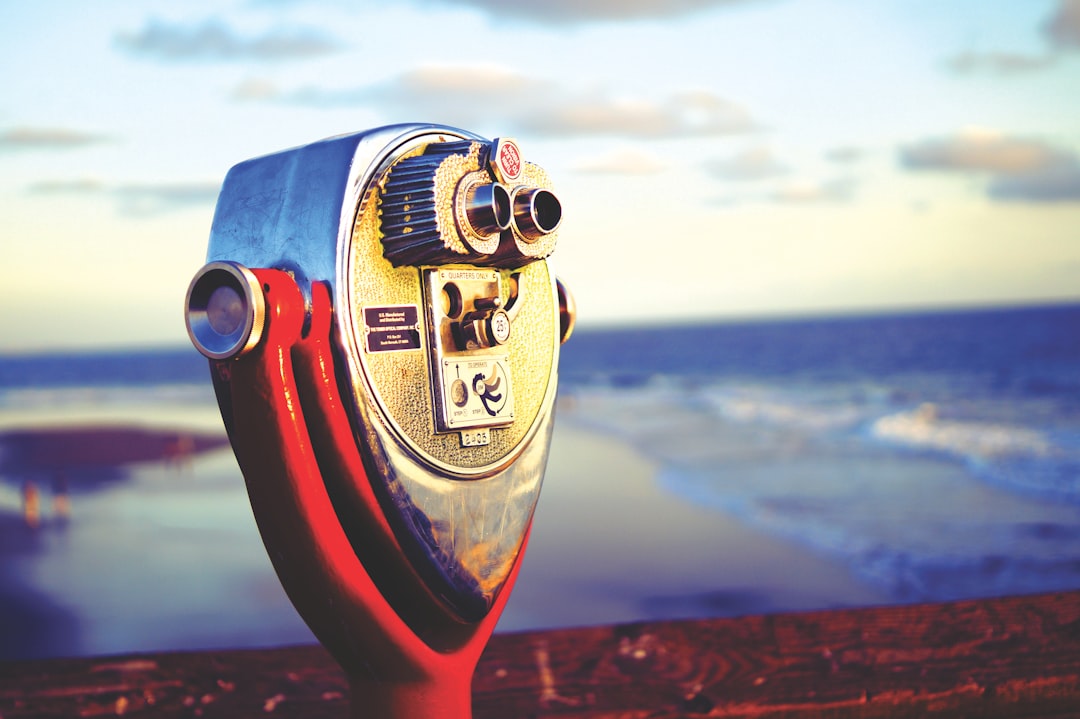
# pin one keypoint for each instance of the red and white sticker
(506, 160)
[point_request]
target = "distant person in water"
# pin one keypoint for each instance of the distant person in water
(31, 504)
(61, 502)
(179, 452)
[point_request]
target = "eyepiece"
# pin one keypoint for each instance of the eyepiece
(463, 201)
(487, 209)
(225, 312)
(537, 212)
(532, 235)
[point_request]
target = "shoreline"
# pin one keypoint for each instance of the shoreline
(610, 545)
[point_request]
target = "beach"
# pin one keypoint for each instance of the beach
(695, 471)
(152, 548)
(610, 545)
(166, 556)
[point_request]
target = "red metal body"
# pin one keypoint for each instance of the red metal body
(403, 654)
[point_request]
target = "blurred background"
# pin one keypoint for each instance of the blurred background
(826, 257)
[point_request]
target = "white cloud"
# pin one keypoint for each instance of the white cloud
(980, 150)
(83, 186)
(755, 163)
(1018, 169)
(694, 114)
(153, 199)
(1060, 183)
(998, 63)
(575, 12)
(844, 155)
(47, 138)
(479, 96)
(214, 40)
(622, 162)
(256, 90)
(810, 191)
(1063, 27)
(1061, 30)
(136, 199)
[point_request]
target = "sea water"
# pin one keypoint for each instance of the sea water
(934, 455)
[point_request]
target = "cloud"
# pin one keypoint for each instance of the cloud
(154, 199)
(809, 191)
(844, 155)
(213, 40)
(463, 93)
(576, 12)
(982, 151)
(47, 138)
(1017, 169)
(485, 96)
(623, 162)
(1062, 29)
(798, 191)
(256, 90)
(692, 114)
(756, 163)
(136, 199)
(998, 63)
(1055, 184)
(84, 186)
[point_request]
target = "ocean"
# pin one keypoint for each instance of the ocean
(936, 455)
(929, 456)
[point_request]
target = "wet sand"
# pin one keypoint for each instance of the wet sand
(108, 561)
(166, 556)
(84, 449)
(609, 545)
(31, 623)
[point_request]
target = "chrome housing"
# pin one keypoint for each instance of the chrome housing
(460, 512)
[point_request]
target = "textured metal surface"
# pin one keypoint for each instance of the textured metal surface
(422, 215)
(460, 513)
(294, 210)
(401, 381)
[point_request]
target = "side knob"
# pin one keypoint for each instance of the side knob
(486, 326)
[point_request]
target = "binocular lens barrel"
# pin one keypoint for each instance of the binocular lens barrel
(488, 208)
(226, 311)
(537, 212)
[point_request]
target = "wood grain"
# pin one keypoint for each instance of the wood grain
(1012, 657)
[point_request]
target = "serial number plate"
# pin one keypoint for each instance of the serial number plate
(476, 438)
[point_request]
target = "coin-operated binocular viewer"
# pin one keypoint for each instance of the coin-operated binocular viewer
(383, 330)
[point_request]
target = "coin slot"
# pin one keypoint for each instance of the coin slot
(451, 300)
(468, 332)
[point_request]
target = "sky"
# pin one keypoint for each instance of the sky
(715, 158)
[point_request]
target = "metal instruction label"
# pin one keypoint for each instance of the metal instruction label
(391, 328)
(476, 392)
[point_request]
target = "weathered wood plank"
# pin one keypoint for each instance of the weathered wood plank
(1011, 657)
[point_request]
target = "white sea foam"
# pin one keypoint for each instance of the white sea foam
(923, 428)
(762, 406)
(155, 405)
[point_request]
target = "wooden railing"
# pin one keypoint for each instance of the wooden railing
(1012, 657)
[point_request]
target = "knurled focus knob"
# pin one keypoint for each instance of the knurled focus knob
(488, 330)
(441, 206)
